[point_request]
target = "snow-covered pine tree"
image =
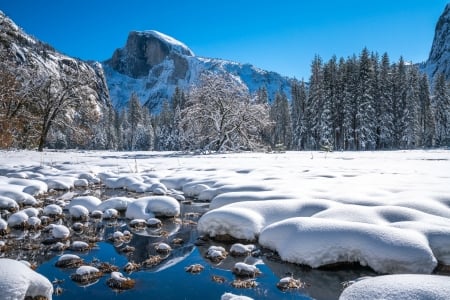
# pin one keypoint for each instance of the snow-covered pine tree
(298, 115)
(410, 136)
(280, 116)
(400, 84)
(384, 114)
(330, 87)
(441, 107)
(426, 120)
(134, 119)
(315, 102)
(365, 114)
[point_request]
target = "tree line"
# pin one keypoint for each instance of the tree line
(362, 102)
(367, 103)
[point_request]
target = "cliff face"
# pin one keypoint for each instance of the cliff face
(153, 64)
(34, 62)
(439, 59)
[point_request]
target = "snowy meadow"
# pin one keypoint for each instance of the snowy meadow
(263, 225)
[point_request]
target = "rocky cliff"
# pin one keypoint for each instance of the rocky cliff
(153, 64)
(34, 62)
(439, 59)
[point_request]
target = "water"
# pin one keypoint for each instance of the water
(169, 280)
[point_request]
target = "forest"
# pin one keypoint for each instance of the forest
(363, 102)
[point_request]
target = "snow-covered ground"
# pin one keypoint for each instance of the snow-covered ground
(387, 210)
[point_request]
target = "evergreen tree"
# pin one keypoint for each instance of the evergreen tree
(365, 123)
(426, 120)
(399, 102)
(315, 102)
(298, 115)
(410, 114)
(280, 115)
(330, 99)
(134, 118)
(384, 114)
(441, 105)
(350, 104)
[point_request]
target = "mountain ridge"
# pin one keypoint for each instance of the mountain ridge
(152, 65)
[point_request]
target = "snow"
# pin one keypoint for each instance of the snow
(149, 207)
(241, 249)
(119, 276)
(89, 202)
(316, 242)
(175, 44)
(78, 211)
(231, 296)
(389, 210)
(17, 281)
(68, 257)
(118, 203)
(405, 286)
(59, 231)
(52, 209)
(86, 270)
(17, 219)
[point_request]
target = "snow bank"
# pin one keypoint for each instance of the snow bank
(245, 220)
(393, 287)
(18, 281)
(317, 242)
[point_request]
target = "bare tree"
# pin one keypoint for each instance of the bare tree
(58, 102)
(221, 116)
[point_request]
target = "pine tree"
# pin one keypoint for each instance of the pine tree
(385, 117)
(410, 136)
(134, 118)
(298, 115)
(365, 123)
(330, 86)
(399, 102)
(426, 121)
(441, 105)
(350, 104)
(280, 115)
(315, 102)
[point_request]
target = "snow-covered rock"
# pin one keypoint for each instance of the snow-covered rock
(119, 203)
(231, 296)
(404, 286)
(78, 211)
(59, 231)
(149, 207)
(17, 219)
(89, 202)
(17, 281)
(52, 210)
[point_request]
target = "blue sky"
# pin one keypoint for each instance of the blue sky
(281, 36)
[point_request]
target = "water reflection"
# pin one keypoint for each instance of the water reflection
(180, 233)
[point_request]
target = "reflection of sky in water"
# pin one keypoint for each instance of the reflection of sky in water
(169, 280)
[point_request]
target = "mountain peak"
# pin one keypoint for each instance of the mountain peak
(175, 44)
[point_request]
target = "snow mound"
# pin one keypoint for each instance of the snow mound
(89, 202)
(319, 242)
(17, 281)
(245, 220)
(404, 286)
(149, 207)
(118, 203)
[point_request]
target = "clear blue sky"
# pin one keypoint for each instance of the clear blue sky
(281, 36)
